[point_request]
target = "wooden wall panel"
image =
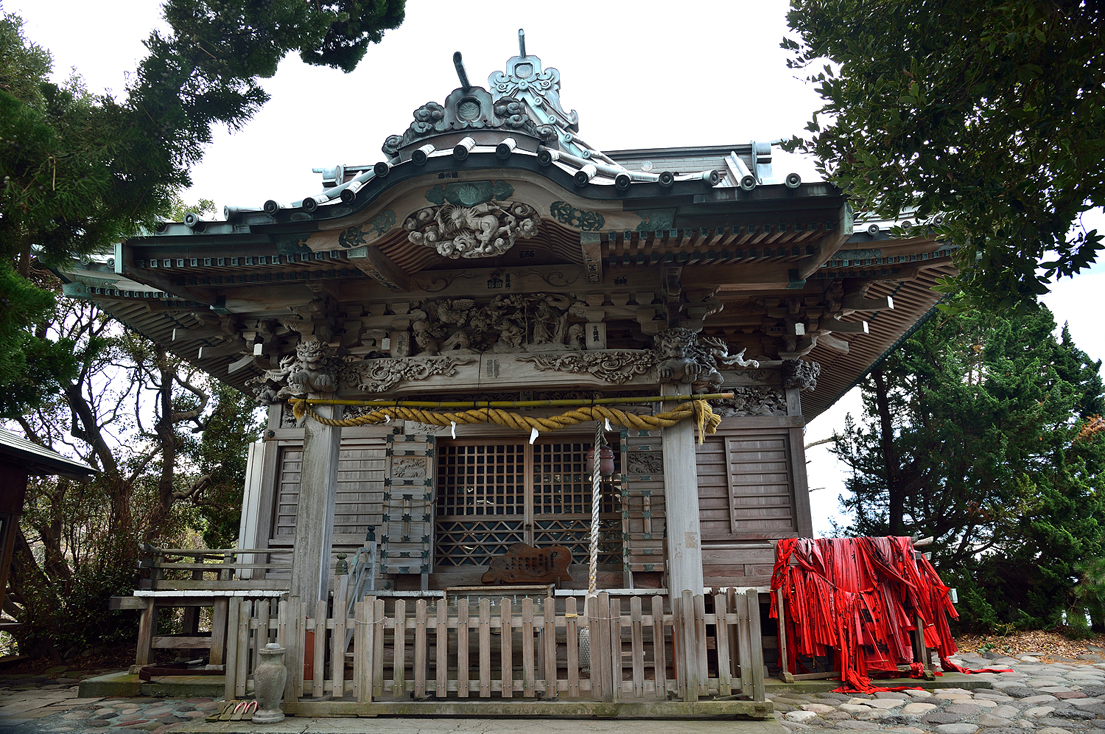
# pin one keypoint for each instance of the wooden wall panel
(748, 479)
(713, 489)
(746, 487)
(289, 464)
(359, 501)
(737, 564)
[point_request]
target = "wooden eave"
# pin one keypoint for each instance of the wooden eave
(768, 244)
(37, 460)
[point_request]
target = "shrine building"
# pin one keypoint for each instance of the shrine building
(495, 260)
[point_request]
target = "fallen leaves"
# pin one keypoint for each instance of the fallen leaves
(1047, 645)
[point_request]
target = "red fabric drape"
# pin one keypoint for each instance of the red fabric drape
(860, 598)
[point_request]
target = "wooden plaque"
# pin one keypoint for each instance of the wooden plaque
(524, 564)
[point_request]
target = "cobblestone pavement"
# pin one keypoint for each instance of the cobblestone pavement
(29, 705)
(1052, 698)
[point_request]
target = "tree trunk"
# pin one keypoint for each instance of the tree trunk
(39, 601)
(166, 437)
(120, 520)
(895, 493)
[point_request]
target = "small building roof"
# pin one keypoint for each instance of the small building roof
(39, 460)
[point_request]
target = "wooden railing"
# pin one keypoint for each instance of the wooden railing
(212, 569)
(192, 579)
(640, 649)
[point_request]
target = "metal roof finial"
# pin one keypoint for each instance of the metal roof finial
(521, 41)
(459, 63)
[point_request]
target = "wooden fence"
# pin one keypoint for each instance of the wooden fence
(607, 649)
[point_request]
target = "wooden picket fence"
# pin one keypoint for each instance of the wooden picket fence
(404, 650)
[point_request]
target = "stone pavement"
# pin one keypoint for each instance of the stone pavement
(1052, 698)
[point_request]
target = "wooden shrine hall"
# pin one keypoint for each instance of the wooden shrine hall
(493, 262)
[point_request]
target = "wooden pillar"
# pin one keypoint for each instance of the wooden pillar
(799, 483)
(681, 494)
(314, 523)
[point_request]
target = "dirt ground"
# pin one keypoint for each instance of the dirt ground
(117, 658)
(1048, 646)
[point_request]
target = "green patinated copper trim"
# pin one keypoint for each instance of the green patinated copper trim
(295, 244)
(469, 193)
(356, 236)
(587, 221)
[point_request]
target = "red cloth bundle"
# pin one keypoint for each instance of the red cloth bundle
(860, 598)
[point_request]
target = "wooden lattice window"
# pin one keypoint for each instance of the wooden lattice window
(492, 495)
(484, 480)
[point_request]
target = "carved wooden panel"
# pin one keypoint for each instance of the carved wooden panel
(524, 564)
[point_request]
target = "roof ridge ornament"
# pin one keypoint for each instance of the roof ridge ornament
(469, 107)
(458, 62)
(526, 81)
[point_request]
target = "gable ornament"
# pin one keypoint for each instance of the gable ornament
(487, 229)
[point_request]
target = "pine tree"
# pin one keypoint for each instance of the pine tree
(970, 434)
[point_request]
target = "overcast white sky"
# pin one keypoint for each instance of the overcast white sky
(639, 74)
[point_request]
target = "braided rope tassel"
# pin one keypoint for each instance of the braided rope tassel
(596, 502)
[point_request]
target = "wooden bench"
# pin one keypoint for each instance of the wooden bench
(192, 579)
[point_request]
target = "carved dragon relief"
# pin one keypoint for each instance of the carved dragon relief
(801, 374)
(445, 331)
(314, 369)
(487, 229)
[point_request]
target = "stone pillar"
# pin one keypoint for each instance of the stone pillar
(314, 524)
(681, 494)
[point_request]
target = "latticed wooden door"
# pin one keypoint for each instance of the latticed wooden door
(492, 495)
(406, 545)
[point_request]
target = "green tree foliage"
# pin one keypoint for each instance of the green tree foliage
(219, 454)
(991, 112)
(170, 449)
(973, 433)
(80, 171)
